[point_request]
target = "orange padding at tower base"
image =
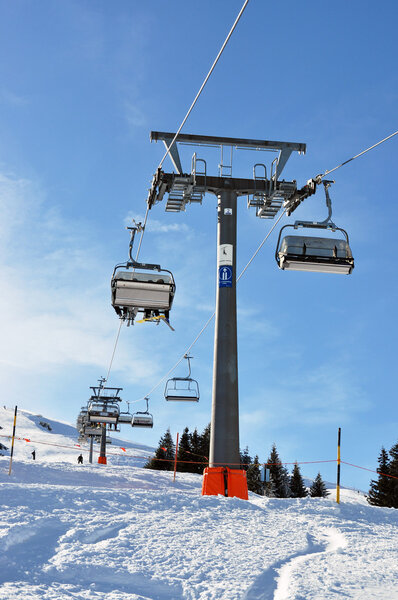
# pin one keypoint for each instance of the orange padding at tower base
(102, 460)
(224, 481)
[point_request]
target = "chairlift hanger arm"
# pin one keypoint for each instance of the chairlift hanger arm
(305, 192)
(133, 263)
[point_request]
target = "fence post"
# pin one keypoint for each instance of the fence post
(175, 459)
(12, 441)
(338, 467)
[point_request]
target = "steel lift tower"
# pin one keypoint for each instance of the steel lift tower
(268, 195)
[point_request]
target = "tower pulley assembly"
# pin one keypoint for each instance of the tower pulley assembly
(317, 254)
(182, 389)
(103, 406)
(134, 291)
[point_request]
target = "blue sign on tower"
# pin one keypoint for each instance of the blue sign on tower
(225, 276)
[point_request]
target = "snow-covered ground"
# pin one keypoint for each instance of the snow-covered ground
(120, 532)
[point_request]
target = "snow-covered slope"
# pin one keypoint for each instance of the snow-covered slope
(120, 532)
(54, 441)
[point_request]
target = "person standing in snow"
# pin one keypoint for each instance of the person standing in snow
(80, 459)
(34, 454)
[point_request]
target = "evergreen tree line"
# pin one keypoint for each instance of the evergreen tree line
(384, 490)
(192, 457)
(280, 484)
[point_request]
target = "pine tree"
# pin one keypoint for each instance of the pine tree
(254, 482)
(184, 454)
(318, 488)
(380, 493)
(279, 477)
(205, 446)
(297, 487)
(394, 476)
(269, 487)
(285, 493)
(245, 459)
(164, 454)
(196, 449)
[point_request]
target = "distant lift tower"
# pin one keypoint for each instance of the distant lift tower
(268, 195)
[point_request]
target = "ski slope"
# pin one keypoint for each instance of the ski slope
(121, 532)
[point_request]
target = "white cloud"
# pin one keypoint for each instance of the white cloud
(326, 394)
(252, 321)
(155, 225)
(11, 98)
(134, 115)
(55, 302)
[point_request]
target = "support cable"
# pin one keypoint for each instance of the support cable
(262, 244)
(204, 82)
(268, 234)
(121, 321)
(104, 381)
(142, 233)
(209, 320)
(357, 155)
(161, 163)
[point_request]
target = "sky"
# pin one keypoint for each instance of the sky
(82, 84)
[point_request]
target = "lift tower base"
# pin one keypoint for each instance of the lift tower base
(224, 481)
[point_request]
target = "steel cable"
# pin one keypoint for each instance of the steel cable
(205, 81)
(213, 314)
(357, 155)
(168, 150)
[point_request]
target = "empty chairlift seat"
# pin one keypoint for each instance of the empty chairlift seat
(318, 254)
(182, 389)
(125, 418)
(142, 418)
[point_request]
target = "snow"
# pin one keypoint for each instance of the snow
(121, 532)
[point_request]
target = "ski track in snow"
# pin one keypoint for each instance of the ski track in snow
(125, 533)
(274, 583)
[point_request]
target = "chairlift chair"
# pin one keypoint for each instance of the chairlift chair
(135, 288)
(125, 418)
(182, 389)
(92, 431)
(316, 254)
(142, 418)
(103, 412)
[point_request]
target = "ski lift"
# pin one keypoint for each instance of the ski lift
(142, 418)
(92, 431)
(182, 389)
(125, 416)
(81, 419)
(103, 412)
(133, 291)
(317, 254)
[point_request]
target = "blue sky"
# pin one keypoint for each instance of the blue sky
(81, 86)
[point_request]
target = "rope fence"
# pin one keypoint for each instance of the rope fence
(205, 462)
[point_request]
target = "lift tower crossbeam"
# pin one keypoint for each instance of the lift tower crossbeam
(267, 195)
